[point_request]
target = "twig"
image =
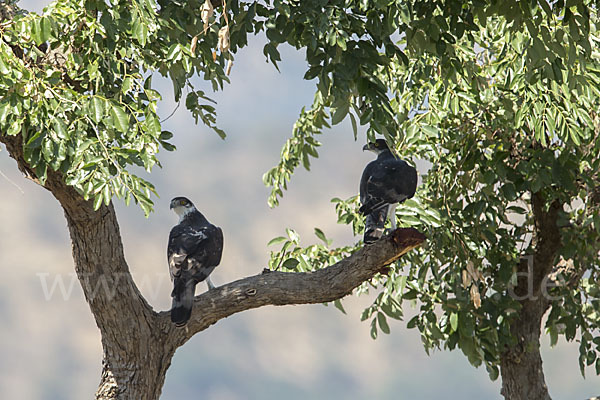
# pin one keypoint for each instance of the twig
(11, 182)
(172, 113)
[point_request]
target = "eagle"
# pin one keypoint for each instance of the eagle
(194, 250)
(386, 182)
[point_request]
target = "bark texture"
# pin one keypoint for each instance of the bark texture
(521, 363)
(139, 343)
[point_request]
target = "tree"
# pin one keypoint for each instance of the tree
(499, 97)
(78, 143)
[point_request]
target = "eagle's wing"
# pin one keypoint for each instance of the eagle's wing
(387, 182)
(185, 248)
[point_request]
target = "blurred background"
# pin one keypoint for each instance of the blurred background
(49, 343)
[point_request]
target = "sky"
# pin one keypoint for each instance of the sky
(49, 343)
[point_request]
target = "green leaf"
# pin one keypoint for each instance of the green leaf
(517, 209)
(127, 83)
(3, 67)
(509, 191)
(166, 135)
(140, 31)
(374, 329)
(276, 240)
(553, 336)
(271, 52)
(493, 372)
(312, 72)
(290, 263)
(354, 126)
(339, 114)
(467, 96)
(174, 53)
(152, 124)
(454, 322)
(106, 193)
(36, 31)
(304, 263)
(45, 29)
(319, 233)
(338, 304)
(14, 128)
(60, 128)
(292, 235)
(392, 309)
(575, 137)
(97, 201)
(4, 110)
(465, 325)
(385, 328)
(120, 117)
(430, 131)
(413, 322)
(96, 107)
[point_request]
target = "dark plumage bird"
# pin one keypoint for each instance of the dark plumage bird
(385, 182)
(194, 250)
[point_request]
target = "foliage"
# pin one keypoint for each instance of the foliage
(76, 84)
(501, 97)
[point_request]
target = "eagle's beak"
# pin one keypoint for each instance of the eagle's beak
(367, 146)
(171, 206)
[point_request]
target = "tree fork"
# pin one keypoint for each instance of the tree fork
(139, 343)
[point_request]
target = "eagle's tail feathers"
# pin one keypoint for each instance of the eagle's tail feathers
(374, 225)
(183, 300)
(372, 235)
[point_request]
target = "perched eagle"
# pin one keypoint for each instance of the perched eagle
(194, 250)
(385, 182)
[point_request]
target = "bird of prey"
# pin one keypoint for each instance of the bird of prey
(385, 182)
(194, 250)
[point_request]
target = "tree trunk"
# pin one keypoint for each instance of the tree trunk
(521, 365)
(137, 349)
(134, 376)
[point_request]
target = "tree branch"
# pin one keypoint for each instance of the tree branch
(284, 288)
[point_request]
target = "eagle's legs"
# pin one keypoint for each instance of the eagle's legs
(392, 214)
(209, 283)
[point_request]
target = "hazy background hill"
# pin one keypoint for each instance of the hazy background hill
(50, 346)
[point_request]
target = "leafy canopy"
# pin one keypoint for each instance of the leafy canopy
(502, 100)
(499, 96)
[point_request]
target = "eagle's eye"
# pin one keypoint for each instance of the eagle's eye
(182, 202)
